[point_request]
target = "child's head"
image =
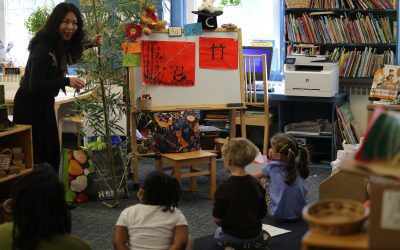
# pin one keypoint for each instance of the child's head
(294, 155)
(239, 152)
(38, 207)
(161, 189)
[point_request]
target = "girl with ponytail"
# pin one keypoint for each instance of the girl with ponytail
(283, 177)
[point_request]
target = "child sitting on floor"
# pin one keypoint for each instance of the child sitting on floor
(157, 223)
(239, 204)
(286, 172)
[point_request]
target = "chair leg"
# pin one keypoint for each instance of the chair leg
(60, 129)
(193, 180)
(266, 134)
(213, 178)
(78, 134)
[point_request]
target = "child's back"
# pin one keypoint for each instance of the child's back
(157, 223)
(286, 201)
(239, 202)
(149, 226)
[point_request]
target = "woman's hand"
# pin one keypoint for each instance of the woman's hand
(76, 83)
(97, 40)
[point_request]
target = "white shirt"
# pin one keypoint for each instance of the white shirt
(149, 227)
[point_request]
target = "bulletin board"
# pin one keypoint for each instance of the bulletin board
(203, 87)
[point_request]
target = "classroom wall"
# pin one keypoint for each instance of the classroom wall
(358, 106)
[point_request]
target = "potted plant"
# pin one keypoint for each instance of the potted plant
(106, 77)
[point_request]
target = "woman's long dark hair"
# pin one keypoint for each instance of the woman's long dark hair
(161, 189)
(38, 208)
(50, 35)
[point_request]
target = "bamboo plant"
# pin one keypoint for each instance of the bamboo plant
(104, 74)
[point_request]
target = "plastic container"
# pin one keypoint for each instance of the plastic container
(115, 139)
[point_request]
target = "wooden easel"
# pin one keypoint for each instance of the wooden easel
(131, 79)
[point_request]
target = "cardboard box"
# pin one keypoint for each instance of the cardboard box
(343, 185)
(384, 222)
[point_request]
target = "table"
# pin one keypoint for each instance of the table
(61, 99)
(372, 106)
(317, 240)
(177, 161)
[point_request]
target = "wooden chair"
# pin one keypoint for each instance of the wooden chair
(76, 119)
(255, 98)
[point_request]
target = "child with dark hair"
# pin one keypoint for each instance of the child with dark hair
(285, 175)
(239, 202)
(41, 218)
(157, 223)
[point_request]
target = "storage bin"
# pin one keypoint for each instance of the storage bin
(298, 3)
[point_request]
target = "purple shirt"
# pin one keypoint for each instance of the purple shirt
(287, 201)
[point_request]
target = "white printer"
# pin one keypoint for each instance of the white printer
(311, 76)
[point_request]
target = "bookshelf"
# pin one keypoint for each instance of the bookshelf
(360, 35)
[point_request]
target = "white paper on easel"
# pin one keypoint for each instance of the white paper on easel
(274, 231)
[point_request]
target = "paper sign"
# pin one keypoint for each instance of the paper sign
(131, 60)
(390, 218)
(193, 29)
(130, 47)
(168, 63)
(218, 53)
(175, 31)
(274, 231)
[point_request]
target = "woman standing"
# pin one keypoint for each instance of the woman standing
(57, 44)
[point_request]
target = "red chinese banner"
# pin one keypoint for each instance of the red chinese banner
(168, 63)
(218, 53)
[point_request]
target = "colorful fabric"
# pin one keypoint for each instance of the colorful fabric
(177, 132)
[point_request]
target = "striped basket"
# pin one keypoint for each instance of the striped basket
(298, 3)
(5, 158)
(143, 104)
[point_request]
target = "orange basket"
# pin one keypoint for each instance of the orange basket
(335, 216)
(298, 3)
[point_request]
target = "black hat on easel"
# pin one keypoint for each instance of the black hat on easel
(208, 20)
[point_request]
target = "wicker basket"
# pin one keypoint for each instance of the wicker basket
(298, 3)
(335, 216)
(143, 104)
(5, 158)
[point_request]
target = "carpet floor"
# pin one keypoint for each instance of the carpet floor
(94, 222)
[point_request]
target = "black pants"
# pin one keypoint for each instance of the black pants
(38, 111)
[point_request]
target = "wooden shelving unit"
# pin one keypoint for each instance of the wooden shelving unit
(306, 33)
(20, 136)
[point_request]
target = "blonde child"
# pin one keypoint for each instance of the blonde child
(157, 223)
(285, 175)
(239, 204)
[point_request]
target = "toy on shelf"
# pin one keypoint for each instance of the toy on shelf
(149, 19)
(207, 15)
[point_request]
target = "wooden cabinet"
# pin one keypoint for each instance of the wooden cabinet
(20, 136)
(293, 109)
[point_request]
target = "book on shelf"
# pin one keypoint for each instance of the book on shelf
(348, 125)
(386, 83)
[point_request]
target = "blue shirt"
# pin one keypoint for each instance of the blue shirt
(287, 201)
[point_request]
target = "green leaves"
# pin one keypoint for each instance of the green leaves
(36, 19)
(226, 3)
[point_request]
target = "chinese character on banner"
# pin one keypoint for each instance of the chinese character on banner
(218, 53)
(168, 63)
